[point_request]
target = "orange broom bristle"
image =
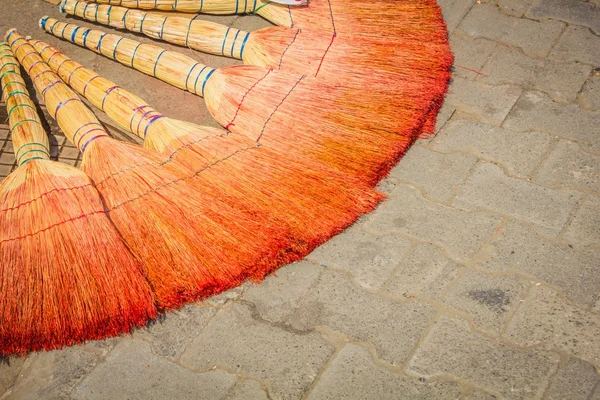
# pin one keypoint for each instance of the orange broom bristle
(350, 61)
(65, 274)
(313, 202)
(190, 246)
(353, 130)
(390, 22)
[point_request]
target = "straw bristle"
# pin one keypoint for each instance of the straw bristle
(312, 202)
(65, 274)
(346, 128)
(315, 203)
(190, 245)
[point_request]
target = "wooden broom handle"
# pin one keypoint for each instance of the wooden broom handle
(77, 122)
(194, 6)
(189, 75)
(277, 13)
(207, 36)
(127, 110)
(29, 138)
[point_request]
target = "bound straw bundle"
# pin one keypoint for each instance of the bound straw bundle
(190, 246)
(373, 18)
(355, 62)
(350, 129)
(313, 202)
(65, 274)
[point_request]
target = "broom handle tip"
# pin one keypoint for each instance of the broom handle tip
(29, 137)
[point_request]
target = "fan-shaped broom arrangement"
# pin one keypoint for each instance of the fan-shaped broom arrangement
(190, 246)
(350, 129)
(314, 203)
(66, 275)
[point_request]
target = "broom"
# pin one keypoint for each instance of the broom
(65, 274)
(313, 202)
(191, 246)
(352, 130)
(398, 19)
(392, 22)
(356, 62)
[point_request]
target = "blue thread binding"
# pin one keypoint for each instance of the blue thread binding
(224, 40)
(85, 35)
(152, 120)
(244, 45)
(188, 75)
(156, 63)
(198, 77)
(115, 50)
(206, 80)
(233, 44)
(133, 54)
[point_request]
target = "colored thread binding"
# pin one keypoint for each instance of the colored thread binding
(59, 106)
(108, 91)
(234, 40)
(156, 63)
(224, 40)
(133, 54)
(244, 45)
(188, 75)
(43, 150)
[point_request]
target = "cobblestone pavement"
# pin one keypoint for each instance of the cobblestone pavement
(477, 279)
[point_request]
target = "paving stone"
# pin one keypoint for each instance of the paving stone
(596, 394)
(561, 80)
(454, 11)
(461, 233)
(516, 8)
(9, 370)
(569, 165)
(370, 259)
(7, 158)
(470, 54)
(278, 295)
(4, 133)
(572, 12)
(52, 375)
(545, 319)
(439, 175)
(175, 330)
(226, 297)
(248, 390)
(585, 227)
(578, 43)
(517, 152)
(488, 187)
(573, 269)
(480, 396)
(353, 375)
(489, 300)
(69, 153)
(573, 381)
(451, 348)
(287, 362)
(443, 116)
(135, 373)
(424, 272)
(490, 104)
(535, 38)
(589, 97)
(5, 170)
(536, 112)
(336, 303)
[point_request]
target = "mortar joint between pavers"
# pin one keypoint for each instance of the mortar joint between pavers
(574, 212)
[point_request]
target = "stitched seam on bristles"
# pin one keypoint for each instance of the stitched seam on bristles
(325, 54)
(180, 179)
(52, 226)
(44, 195)
(277, 108)
(288, 46)
(243, 98)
